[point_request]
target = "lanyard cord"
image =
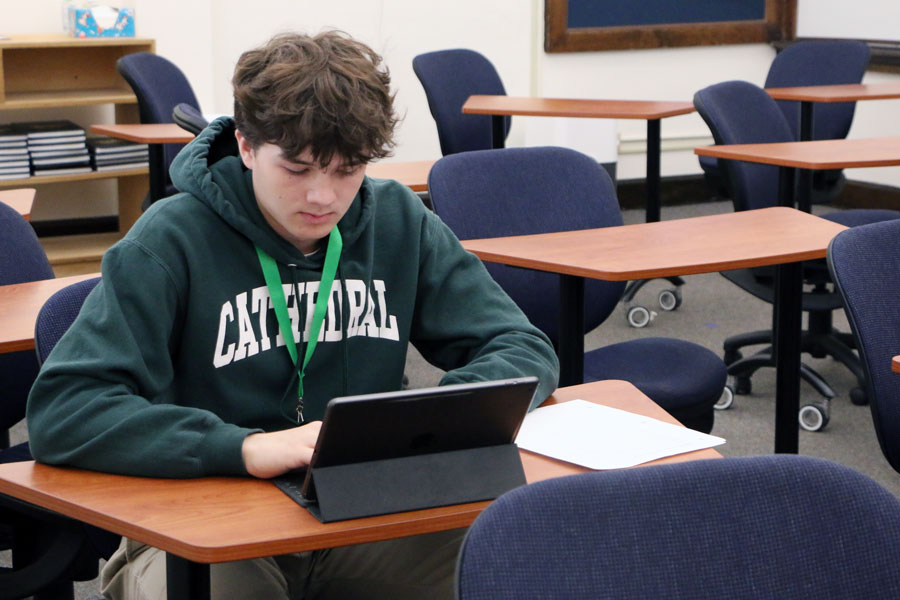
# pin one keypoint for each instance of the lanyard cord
(279, 304)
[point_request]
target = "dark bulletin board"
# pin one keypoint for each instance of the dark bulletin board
(583, 25)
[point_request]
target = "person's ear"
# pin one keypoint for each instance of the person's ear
(248, 153)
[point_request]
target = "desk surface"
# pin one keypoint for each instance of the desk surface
(155, 133)
(895, 364)
(20, 199)
(679, 247)
(229, 518)
(819, 154)
(847, 92)
(19, 307)
(560, 107)
(413, 175)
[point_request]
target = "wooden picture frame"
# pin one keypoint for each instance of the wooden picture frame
(779, 24)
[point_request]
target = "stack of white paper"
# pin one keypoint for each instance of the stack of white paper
(600, 437)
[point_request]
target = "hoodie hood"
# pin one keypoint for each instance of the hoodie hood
(210, 169)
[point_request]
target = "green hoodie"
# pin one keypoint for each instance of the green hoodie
(176, 355)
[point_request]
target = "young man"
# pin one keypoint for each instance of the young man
(181, 363)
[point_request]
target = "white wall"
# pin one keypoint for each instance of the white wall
(208, 36)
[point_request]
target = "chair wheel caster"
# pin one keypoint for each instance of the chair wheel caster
(742, 386)
(639, 317)
(669, 299)
(858, 396)
(725, 400)
(813, 417)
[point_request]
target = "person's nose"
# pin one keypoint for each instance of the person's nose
(322, 191)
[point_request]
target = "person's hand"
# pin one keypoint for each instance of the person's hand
(271, 454)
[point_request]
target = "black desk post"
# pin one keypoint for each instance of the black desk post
(653, 160)
(498, 131)
(157, 172)
(571, 330)
(788, 317)
(186, 579)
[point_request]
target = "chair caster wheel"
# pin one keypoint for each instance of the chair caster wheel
(813, 417)
(858, 396)
(669, 299)
(639, 317)
(742, 386)
(725, 400)
(731, 356)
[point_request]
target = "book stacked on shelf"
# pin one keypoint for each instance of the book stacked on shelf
(111, 154)
(13, 153)
(56, 147)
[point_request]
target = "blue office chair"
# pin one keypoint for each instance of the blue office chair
(449, 78)
(781, 526)
(810, 63)
(517, 191)
(49, 551)
(159, 86)
(22, 259)
(865, 264)
(738, 112)
(189, 118)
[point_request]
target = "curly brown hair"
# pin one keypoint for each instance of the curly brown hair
(328, 92)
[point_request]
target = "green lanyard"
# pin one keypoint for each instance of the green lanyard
(276, 293)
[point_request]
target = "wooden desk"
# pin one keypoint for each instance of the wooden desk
(850, 92)
(19, 307)
(814, 155)
(895, 364)
(649, 110)
(412, 174)
(155, 135)
(219, 519)
(21, 200)
(771, 236)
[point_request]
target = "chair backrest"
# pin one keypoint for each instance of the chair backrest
(820, 63)
(58, 313)
(159, 86)
(189, 118)
(449, 78)
(781, 526)
(22, 259)
(518, 191)
(739, 112)
(865, 266)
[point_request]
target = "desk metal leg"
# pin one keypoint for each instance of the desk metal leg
(498, 131)
(157, 172)
(806, 120)
(653, 170)
(788, 325)
(571, 330)
(186, 579)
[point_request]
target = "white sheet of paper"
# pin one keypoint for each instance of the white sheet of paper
(600, 437)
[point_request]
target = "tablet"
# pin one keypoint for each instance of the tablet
(387, 425)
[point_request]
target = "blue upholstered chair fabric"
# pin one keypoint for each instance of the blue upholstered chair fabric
(738, 112)
(22, 259)
(517, 191)
(449, 77)
(781, 526)
(865, 264)
(159, 86)
(812, 63)
(61, 550)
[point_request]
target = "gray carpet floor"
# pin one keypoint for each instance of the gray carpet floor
(713, 309)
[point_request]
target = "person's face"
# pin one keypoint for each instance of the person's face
(301, 200)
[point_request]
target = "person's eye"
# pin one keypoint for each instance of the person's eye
(297, 171)
(348, 171)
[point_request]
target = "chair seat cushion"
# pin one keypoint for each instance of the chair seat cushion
(678, 375)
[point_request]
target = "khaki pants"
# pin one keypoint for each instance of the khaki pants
(417, 567)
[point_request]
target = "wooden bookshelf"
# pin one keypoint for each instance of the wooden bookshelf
(55, 70)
